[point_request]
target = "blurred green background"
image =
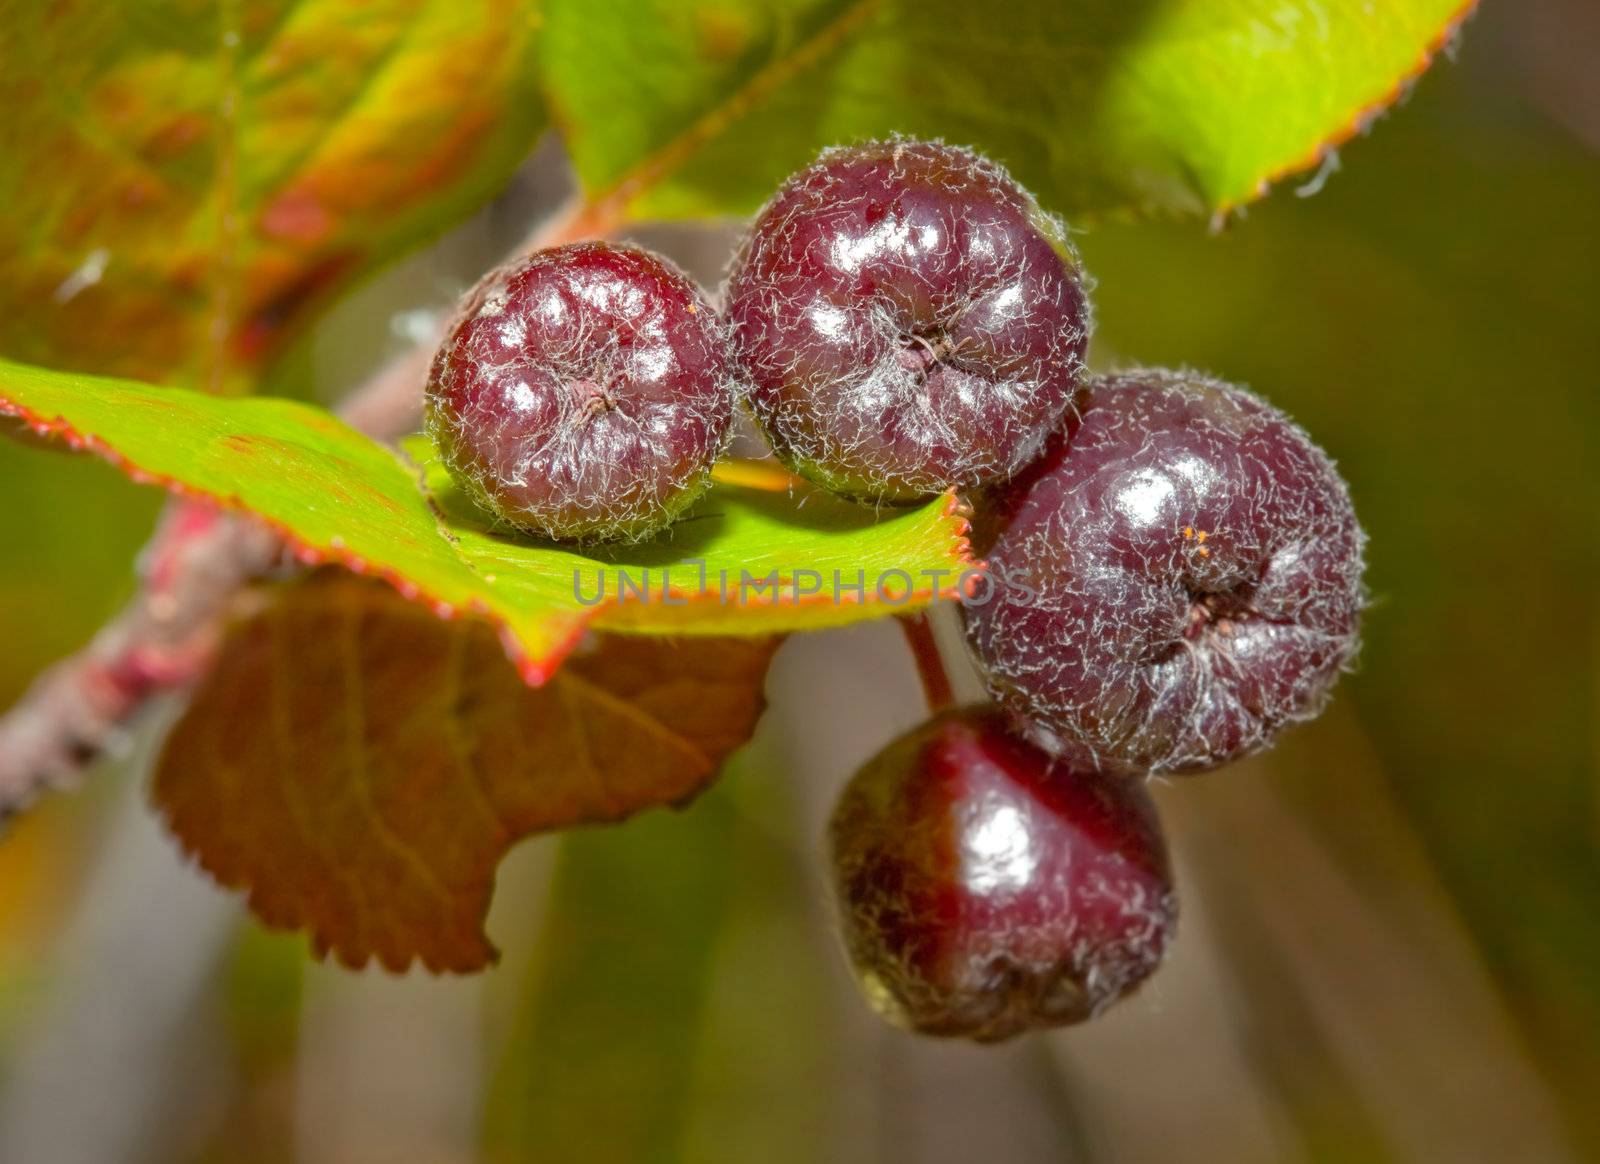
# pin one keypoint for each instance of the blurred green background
(1391, 939)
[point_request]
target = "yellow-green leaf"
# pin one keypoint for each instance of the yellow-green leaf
(758, 555)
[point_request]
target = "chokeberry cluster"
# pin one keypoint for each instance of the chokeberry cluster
(1173, 567)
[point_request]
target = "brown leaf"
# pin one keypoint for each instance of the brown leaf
(359, 766)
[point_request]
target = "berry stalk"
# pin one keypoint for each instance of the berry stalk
(924, 646)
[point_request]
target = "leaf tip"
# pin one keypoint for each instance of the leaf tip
(1358, 123)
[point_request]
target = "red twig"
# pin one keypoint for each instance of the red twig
(930, 663)
(192, 573)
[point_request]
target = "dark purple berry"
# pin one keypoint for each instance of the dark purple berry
(1177, 579)
(583, 393)
(986, 889)
(908, 320)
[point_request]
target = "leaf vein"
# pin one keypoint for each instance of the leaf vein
(646, 722)
(361, 769)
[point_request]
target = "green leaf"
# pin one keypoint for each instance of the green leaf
(338, 496)
(1100, 106)
(185, 180)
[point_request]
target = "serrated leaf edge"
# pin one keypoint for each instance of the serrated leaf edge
(535, 670)
(1360, 121)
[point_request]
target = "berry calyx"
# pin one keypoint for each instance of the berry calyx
(908, 319)
(986, 889)
(1177, 579)
(583, 393)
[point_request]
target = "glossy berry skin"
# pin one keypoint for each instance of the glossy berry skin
(1178, 578)
(986, 889)
(908, 320)
(583, 393)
